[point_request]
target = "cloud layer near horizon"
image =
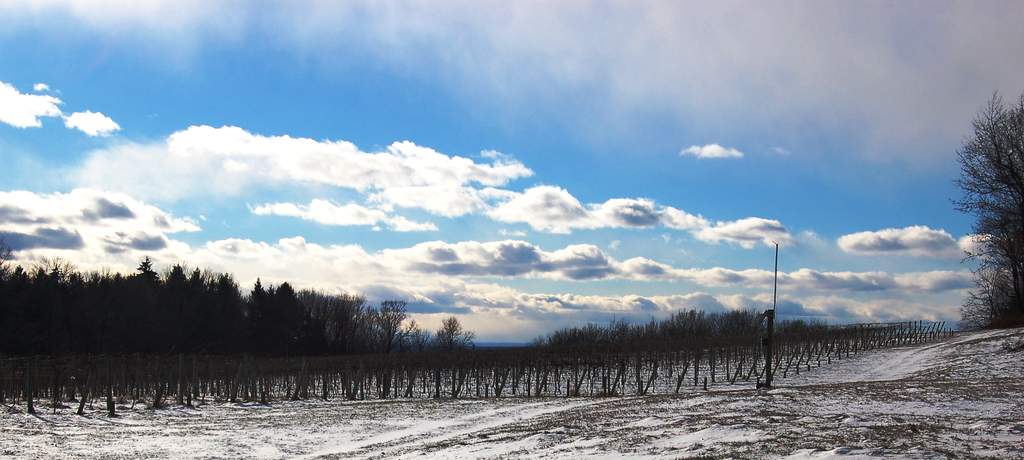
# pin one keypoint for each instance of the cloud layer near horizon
(100, 230)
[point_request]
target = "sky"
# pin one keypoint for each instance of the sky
(522, 165)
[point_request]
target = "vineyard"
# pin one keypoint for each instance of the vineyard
(655, 367)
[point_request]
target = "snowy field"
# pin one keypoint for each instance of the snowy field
(961, 398)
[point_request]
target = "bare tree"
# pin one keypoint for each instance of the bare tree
(56, 267)
(415, 338)
(389, 319)
(990, 300)
(451, 335)
(5, 257)
(992, 180)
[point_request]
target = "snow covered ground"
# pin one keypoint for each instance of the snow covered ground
(963, 397)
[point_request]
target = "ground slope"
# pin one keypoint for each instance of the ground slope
(960, 398)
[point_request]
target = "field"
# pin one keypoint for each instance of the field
(960, 397)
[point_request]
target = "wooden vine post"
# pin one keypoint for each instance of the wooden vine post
(769, 318)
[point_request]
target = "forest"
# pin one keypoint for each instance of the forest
(52, 308)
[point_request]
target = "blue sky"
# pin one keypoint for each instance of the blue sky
(523, 165)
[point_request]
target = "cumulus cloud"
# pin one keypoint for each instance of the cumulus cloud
(85, 224)
(681, 220)
(545, 208)
(42, 237)
(711, 151)
(971, 244)
(349, 214)
(917, 240)
(746, 232)
(628, 212)
(230, 160)
(553, 209)
(339, 163)
(506, 259)
(441, 200)
(91, 123)
(935, 281)
(24, 110)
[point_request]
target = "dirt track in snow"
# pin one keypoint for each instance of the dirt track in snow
(961, 398)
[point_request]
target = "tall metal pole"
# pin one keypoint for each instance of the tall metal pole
(775, 286)
(769, 344)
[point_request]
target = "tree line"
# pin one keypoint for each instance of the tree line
(53, 308)
(686, 325)
(992, 181)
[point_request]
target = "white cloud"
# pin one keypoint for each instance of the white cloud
(971, 244)
(939, 280)
(682, 220)
(505, 259)
(545, 208)
(512, 233)
(86, 225)
(553, 209)
(24, 110)
(204, 160)
(917, 240)
(338, 163)
(327, 213)
(711, 151)
(627, 212)
(442, 200)
(91, 123)
(746, 232)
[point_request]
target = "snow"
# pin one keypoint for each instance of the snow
(695, 442)
(839, 452)
(957, 398)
